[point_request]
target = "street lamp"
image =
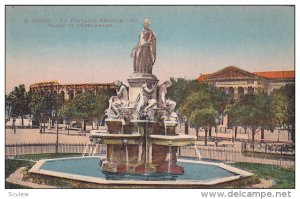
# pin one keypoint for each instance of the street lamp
(216, 131)
(54, 115)
(56, 134)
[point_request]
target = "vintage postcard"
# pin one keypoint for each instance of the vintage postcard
(152, 97)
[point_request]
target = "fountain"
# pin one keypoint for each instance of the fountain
(147, 122)
(144, 118)
(140, 134)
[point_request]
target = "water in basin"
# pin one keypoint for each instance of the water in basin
(90, 167)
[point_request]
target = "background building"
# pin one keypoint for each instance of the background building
(69, 91)
(237, 81)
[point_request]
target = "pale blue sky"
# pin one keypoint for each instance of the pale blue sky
(190, 40)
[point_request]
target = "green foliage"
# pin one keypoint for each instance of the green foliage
(195, 101)
(182, 88)
(201, 103)
(100, 104)
(191, 94)
(67, 111)
(19, 100)
(12, 165)
(41, 156)
(283, 108)
(38, 107)
(86, 106)
(43, 105)
(204, 117)
(252, 111)
(284, 177)
(83, 104)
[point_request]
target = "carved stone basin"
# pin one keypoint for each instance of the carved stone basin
(108, 138)
(115, 125)
(170, 124)
(173, 140)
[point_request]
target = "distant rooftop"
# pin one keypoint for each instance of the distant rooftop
(264, 74)
(276, 74)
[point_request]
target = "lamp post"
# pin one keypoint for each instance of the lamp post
(54, 115)
(56, 135)
(216, 131)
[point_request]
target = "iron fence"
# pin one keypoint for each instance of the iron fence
(38, 148)
(205, 152)
(272, 148)
(231, 155)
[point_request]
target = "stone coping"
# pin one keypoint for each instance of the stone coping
(116, 120)
(174, 137)
(222, 165)
(173, 140)
(36, 169)
(110, 135)
(166, 140)
(139, 121)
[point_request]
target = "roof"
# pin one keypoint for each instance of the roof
(264, 74)
(202, 77)
(276, 74)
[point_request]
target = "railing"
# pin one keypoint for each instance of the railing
(218, 139)
(211, 153)
(271, 148)
(37, 148)
(231, 155)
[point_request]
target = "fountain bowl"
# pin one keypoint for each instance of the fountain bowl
(86, 172)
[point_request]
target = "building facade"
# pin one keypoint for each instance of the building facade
(69, 91)
(237, 81)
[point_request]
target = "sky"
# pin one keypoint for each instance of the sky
(46, 43)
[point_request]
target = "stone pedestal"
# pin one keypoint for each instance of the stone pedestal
(136, 80)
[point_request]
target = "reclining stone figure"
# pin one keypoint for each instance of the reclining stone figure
(118, 101)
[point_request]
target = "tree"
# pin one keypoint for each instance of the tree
(182, 90)
(283, 108)
(197, 100)
(38, 108)
(100, 105)
(204, 118)
(44, 106)
(18, 99)
(220, 100)
(234, 120)
(178, 92)
(84, 105)
(203, 101)
(67, 112)
(252, 111)
(53, 102)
